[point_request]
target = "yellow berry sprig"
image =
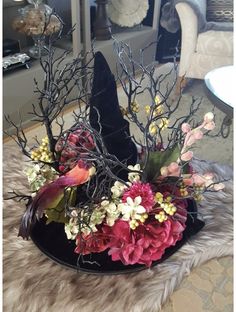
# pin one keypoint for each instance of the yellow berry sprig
(168, 208)
(143, 217)
(183, 190)
(42, 153)
(158, 110)
(198, 190)
(161, 216)
(134, 107)
(153, 128)
(164, 123)
(134, 222)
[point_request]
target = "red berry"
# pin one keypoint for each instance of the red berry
(62, 168)
(73, 138)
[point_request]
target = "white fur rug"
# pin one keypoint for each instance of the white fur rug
(34, 283)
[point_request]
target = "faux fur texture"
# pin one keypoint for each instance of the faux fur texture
(34, 283)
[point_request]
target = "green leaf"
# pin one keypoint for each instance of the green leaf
(57, 214)
(157, 160)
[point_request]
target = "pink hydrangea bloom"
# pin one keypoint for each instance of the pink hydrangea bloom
(146, 244)
(144, 191)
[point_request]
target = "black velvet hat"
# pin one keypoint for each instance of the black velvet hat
(105, 117)
(105, 113)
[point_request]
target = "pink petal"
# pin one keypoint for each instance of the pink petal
(114, 253)
(187, 156)
(210, 126)
(185, 127)
(219, 186)
(131, 253)
(173, 167)
(208, 175)
(198, 134)
(188, 181)
(198, 179)
(121, 229)
(191, 140)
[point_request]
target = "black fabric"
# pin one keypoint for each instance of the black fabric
(10, 46)
(104, 100)
(52, 241)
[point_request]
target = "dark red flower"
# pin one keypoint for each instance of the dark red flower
(94, 242)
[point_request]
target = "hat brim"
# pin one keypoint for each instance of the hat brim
(52, 241)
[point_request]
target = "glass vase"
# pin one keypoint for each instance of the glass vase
(39, 48)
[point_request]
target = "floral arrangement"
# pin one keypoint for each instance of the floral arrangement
(137, 220)
(112, 192)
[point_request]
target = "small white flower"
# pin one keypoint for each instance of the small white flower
(87, 230)
(112, 212)
(71, 229)
(74, 213)
(132, 208)
(109, 207)
(97, 217)
(135, 168)
(118, 189)
(112, 217)
(32, 172)
(209, 117)
(134, 176)
(37, 176)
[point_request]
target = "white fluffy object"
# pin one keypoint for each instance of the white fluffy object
(127, 13)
